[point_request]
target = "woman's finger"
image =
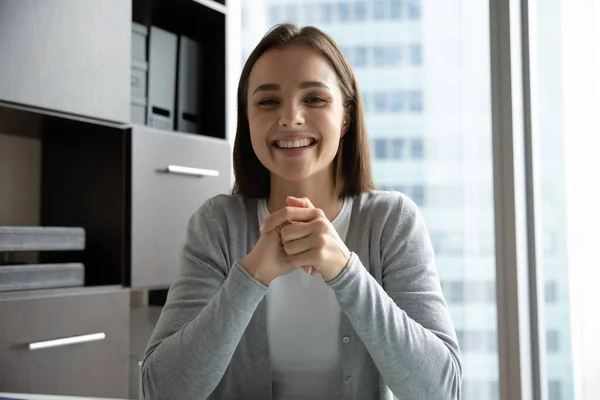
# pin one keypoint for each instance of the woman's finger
(290, 214)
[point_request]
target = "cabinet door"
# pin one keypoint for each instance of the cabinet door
(172, 175)
(67, 55)
(66, 345)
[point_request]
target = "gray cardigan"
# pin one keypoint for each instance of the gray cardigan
(396, 335)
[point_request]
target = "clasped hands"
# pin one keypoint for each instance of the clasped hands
(297, 236)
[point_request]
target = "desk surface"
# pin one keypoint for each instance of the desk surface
(26, 396)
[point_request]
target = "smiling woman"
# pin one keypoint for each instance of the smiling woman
(243, 320)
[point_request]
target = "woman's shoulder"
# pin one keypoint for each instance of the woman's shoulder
(221, 208)
(385, 202)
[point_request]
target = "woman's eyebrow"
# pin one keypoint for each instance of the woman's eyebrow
(303, 85)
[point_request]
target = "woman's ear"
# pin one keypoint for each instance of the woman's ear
(345, 124)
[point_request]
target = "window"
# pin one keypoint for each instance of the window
(418, 195)
(310, 14)
(379, 9)
(409, 118)
(360, 56)
(397, 101)
(396, 11)
(453, 291)
(325, 12)
(387, 55)
(274, 17)
(379, 100)
(343, 10)
(416, 101)
(380, 148)
(480, 292)
(550, 292)
(480, 389)
(416, 149)
(379, 56)
(397, 148)
(400, 188)
(360, 11)
(414, 9)
(552, 80)
(366, 101)
(416, 57)
(395, 55)
(554, 390)
(553, 341)
(479, 341)
(291, 13)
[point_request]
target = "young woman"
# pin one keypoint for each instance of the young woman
(305, 283)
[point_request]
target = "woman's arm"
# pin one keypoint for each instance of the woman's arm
(202, 322)
(405, 325)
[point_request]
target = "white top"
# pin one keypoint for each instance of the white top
(303, 322)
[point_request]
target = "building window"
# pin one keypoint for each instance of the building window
(480, 292)
(553, 341)
(551, 292)
(418, 195)
(453, 291)
(379, 9)
(396, 11)
(414, 9)
(310, 13)
(379, 102)
(360, 56)
(291, 13)
(380, 148)
(360, 11)
(554, 390)
(384, 56)
(400, 188)
(274, 17)
(325, 12)
(394, 55)
(480, 390)
(379, 55)
(397, 101)
(397, 148)
(416, 101)
(416, 56)
(343, 10)
(366, 102)
(416, 149)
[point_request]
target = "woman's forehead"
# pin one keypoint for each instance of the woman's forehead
(291, 65)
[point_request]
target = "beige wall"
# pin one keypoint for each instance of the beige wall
(20, 159)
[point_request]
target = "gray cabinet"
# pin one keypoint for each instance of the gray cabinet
(172, 174)
(68, 343)
(67, 55)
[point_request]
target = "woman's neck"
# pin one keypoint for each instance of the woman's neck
(319, 189)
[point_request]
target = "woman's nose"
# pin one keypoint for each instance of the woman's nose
(290, 116)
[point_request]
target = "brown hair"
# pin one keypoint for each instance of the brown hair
(352, 164)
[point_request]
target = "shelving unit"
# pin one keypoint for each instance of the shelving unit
(104, 174)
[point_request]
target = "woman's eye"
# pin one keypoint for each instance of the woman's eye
(267, 102)
(315, 100)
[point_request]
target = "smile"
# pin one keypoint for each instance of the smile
(294, 144)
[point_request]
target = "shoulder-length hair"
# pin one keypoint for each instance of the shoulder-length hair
(352, 164)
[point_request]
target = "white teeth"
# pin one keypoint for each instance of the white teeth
(290, 144)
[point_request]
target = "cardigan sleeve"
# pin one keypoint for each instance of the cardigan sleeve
(404, 323)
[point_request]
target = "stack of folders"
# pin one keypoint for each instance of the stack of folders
(22, 276)
(165, 80)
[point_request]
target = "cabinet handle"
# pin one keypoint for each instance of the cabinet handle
(66, 341)
(177, 169)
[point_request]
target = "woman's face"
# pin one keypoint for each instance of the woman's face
(295, 112)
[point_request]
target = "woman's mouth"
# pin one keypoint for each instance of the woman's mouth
(294, 147)
(294, 143)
